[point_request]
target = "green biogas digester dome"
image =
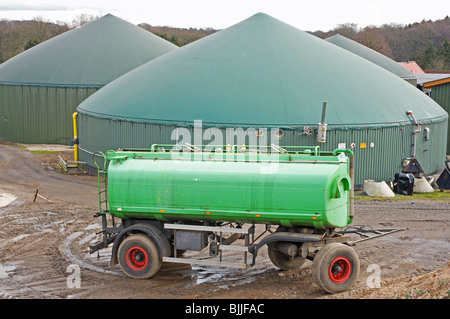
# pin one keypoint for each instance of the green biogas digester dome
(41, 87)
(263, 73)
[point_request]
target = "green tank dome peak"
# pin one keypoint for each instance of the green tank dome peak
(88, 56)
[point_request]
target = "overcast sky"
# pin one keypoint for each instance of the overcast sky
(219, 14)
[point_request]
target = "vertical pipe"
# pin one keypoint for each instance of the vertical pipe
(75, 137)
(324, 112)
(417, 130)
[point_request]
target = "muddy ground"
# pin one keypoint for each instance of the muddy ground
(44, 248)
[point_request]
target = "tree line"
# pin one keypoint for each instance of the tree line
(18, 36)
(426, 42)
(178, 36)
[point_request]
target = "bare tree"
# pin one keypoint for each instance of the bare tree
(348, 30)
(83, 18)
(372, 38)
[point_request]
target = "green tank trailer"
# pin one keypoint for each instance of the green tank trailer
(173, 198)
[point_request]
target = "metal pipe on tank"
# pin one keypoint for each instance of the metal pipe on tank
(416, 131)
(324, 111)
(75, 137)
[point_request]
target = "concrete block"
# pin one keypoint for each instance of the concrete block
(379, 189)
(421, 185)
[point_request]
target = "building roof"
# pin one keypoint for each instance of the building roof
(432, 79)
(261, 72)
(412, 67)
(91, 55)
(371, 55)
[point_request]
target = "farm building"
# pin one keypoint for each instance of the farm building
(437, 86)
(373, 56)
(42, 87)
(261, 74)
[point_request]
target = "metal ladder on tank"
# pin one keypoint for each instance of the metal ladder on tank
(102, 186)
(102, 178)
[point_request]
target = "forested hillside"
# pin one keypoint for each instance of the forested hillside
(426, 42)
(17, 36)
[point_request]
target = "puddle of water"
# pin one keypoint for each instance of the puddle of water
(94, 226)
(6, 199)
(230, 276)
(227, 276)
(4, 271)
(19, 237)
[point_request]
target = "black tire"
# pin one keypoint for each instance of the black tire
(138, 256)
(335, 267)
(284, 262)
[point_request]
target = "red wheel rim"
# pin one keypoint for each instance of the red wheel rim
(137, 258)
(340, 270)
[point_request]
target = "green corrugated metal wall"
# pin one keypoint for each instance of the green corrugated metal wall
(441, 94)
(39, 114)
(390, 144)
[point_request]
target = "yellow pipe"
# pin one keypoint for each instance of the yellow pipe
(75, 137)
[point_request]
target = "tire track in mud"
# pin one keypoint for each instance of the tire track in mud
(16, 284)
(66, 251)
(41, 245)
(34, 254)
(31, 232)
(48, 278)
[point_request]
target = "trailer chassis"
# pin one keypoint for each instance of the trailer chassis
(335, 264)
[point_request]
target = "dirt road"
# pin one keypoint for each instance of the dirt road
(44, 247)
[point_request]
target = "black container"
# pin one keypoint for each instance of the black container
(443, 181)
(403, 183)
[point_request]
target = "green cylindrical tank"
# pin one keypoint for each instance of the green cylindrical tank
(290, 189)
